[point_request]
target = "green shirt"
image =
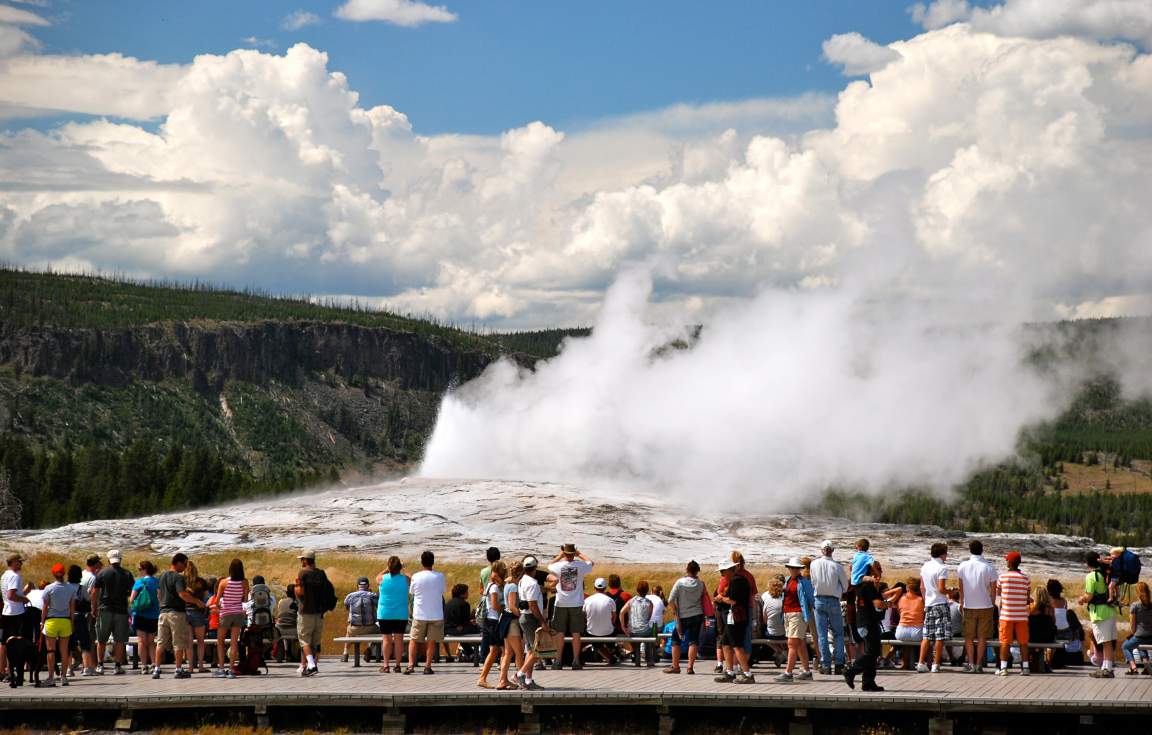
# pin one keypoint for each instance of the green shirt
(1094, 584)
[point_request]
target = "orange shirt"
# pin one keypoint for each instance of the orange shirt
(911, 611)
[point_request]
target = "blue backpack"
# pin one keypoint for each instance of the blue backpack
(1126, 567)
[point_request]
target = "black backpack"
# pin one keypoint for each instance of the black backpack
(250, 661)
(328, 599)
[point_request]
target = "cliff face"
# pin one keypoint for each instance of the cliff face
(211, 354)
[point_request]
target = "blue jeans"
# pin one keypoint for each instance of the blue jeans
(828, 616)
(1130, 645)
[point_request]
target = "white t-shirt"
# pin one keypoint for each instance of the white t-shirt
(12, 581)
(427, 590)
(598, 610)
(931, 573)
(977, 575)
(657, 609)
(530, 591)
(493, 613)
(773, 613)
(36, 599)
(570, 584)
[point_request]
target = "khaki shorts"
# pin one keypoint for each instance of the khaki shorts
(514, 630)
(310, 629)
(794, 625)
(569, 620)
(363, 630)
(979, 623)
(173, 631)
(427, 630)
(232, 620)
(1104, 630)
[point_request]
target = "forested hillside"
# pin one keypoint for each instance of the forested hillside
(118, 398)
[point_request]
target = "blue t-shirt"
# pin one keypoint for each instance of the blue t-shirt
(150, 584)
(509, 588)
(861, 563)
(393, 603)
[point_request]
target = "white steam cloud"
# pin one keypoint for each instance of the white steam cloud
(781, 398)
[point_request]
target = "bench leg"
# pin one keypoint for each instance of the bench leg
(356, 653)
(529, 720)
(126, 721)
(666, 723)
(940, 725)
(262, 720)
(394, 722)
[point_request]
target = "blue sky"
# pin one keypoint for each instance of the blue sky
(503, 64)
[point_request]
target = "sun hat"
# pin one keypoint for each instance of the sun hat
(568, 548)
(601, 583)
(725, 564)
(114, 556)
(308, 554)
(794, 563)
(15, 558)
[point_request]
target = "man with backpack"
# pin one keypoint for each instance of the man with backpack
(1123, 572)
(1100, 599)
(109, 600)
(316, 596)
(361, 606)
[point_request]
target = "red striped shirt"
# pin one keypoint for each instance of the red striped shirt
(1013, 587)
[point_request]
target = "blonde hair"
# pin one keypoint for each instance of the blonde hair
(191, 573)
(500, 569)
(775, 587)
(913, 584)
(1042, 601)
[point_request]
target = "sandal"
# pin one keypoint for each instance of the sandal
(507, 686)
(384, 669)
(483, 685)
(690, 671)
(410, 670)
(671, 670)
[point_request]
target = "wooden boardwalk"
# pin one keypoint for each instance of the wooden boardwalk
(454, 685)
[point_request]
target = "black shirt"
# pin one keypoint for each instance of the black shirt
(867, 616)
(169, 587)
(457, 613)
(739, 591)
(314, 583)
(115, 584)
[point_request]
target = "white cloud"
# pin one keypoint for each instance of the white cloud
(257, 42)
(16, 16)
(102, 84)
(298, 19)
(407, 13)
(856, 54)
(1130, 20)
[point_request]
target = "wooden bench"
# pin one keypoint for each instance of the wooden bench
(359, 640)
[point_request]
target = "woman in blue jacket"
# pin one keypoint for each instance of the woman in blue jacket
(799, 603)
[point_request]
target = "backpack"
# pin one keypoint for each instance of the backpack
(144, 601)
(328, 599)
(251, 650)
(1126, 567)
(1101, 598)
(482, 609)
(261, 599)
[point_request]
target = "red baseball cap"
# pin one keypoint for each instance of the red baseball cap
(1013, 557)
(58, 569)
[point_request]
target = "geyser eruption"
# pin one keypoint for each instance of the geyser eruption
(780, 398)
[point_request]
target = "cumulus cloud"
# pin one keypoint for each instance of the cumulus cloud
(857, 55)
(298, 19)
(408, 13)
(100, 84)
(1129, 20)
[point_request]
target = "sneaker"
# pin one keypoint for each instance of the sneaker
(577, 665)
(118, 671)
(519, 679)
(88, 672)
(557, 666)
(47, 683)
(980, 670)
(922, 668)
(147, 669)
(742, 679)
(718, 669)
(100, 670)
(784, 678)
(533, 686)
(935, 669)
(969, 669)
(872, 688)
(1102, 674)
(220, 674)
(229, 674)
(1025, 671)
(804, 676)
(344, 659)
(182, 674)
(63, 681)
(826, 671)
(839, 671)
(156, 673)
(310, 671)
(723, 678)
(1001, 672)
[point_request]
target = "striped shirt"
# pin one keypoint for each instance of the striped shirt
(1013, 586)
(232, 603)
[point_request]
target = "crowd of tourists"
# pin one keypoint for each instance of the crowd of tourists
(821, 617)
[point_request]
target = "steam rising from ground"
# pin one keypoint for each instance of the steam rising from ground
(781, 398)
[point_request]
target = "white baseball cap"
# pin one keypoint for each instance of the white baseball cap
(600, 583)
(114, 556)
(827, 544)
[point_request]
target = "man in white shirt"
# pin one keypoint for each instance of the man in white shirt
(12, 590)
(531, 620)
(600, 612)
(937, 616)
(427, 590)
(570, 567)
(977, 596)
(829, 583)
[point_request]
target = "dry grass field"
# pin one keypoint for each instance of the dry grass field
(1088, 478)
